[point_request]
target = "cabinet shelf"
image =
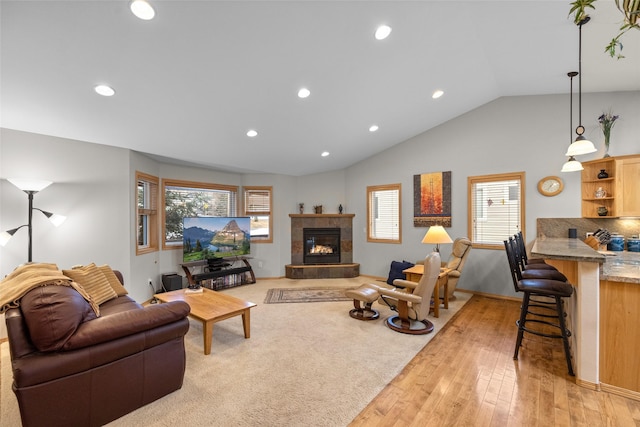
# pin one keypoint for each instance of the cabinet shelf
(595, 199)
(620, 187)
(598, 180)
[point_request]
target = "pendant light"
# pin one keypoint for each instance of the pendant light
(581, 145)
(572, 165)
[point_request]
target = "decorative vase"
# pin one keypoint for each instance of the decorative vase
(603, 174)
(606, 146)
(603, 211)
(340, 208)
(301, 207)
(600, 193)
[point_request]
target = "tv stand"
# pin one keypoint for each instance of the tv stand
(220, 273)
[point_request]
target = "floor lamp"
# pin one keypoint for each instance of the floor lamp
(30, 187)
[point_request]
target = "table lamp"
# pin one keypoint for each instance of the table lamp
(436, 234)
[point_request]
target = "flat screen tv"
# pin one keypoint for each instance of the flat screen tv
(205, 238)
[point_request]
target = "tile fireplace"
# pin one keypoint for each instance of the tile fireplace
(321, 247)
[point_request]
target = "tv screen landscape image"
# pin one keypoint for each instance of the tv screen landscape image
(215, 237)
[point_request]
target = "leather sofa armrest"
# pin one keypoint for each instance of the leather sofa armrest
(18, 334)
(118, 325)
(454, 273)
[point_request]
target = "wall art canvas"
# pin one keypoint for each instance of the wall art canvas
(432, 199)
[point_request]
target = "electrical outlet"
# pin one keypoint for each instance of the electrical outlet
(150, 282)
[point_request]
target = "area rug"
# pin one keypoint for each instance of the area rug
(319, 294)
(304, 365)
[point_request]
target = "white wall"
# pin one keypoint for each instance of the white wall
(529, 134)
(90, 186)
(94, 188)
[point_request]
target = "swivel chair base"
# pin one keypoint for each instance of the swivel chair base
(412, 327)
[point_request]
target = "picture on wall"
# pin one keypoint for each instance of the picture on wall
(432, 199)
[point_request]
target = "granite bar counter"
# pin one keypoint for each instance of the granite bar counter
(581, 264)
(603, 313)
(621, 267)
(566, 249)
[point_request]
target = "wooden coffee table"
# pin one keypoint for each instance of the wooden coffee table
(210, 307)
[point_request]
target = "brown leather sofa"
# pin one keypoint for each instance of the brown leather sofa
(92, 369)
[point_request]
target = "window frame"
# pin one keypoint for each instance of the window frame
(190, 185)
(269, 213)
(149, 212)
(370, 192)
(472, 205)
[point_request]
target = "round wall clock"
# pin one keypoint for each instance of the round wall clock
(550, 186)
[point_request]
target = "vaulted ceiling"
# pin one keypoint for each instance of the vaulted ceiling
(191, 82)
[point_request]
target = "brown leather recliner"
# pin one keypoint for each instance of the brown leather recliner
(88, 371)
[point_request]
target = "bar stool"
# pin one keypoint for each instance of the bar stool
(522, 252)
(548, 288)
(533, 271)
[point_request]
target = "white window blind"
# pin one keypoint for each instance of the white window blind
(384, 213)
(496, 207)
(257, 205)
(257, 201)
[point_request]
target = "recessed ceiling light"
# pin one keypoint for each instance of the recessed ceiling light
(304, 93)
(437, 94)
(382, 32)
(373, 128)
(142, 9)
(325, 154)
(104, 90)
(251, 133)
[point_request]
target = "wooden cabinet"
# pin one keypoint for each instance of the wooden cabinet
(591, 184)
(619, 341)
(619, 193)
(628, 186)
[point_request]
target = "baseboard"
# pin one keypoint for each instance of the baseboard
(489, 295)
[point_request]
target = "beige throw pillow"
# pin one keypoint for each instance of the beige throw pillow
(113, 280)
(93, 281)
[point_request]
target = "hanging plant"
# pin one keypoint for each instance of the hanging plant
(630, 9)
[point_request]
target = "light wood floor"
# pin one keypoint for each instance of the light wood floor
(466, 376)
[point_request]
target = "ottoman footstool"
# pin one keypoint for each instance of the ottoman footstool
(363, 298)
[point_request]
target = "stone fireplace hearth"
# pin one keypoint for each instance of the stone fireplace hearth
(310, 267)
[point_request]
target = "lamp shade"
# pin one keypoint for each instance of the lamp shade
(436, 234)
(4, 237)
(27, 184)
(581, 146)
(572, 165)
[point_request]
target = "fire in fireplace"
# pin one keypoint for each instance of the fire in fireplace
(321, 245)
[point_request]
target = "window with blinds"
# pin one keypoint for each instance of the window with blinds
(383, 213)
(146, 213)
(496, 208)
(188, 199)
(257, 205)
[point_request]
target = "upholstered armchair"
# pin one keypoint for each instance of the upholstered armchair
(414, 301)
(459, 254)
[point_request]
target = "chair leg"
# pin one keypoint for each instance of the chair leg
(565, 334)
(523, 316)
